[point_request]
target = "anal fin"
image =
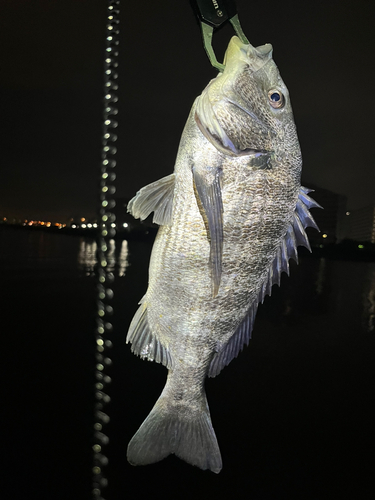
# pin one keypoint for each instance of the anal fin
(144, 342)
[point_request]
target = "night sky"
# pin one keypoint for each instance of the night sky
(51, 94)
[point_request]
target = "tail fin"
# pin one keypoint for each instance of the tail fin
(185, 430)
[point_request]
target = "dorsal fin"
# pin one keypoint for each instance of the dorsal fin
(235, 344)
(295, 236)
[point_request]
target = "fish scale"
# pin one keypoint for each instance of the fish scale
(231, 216)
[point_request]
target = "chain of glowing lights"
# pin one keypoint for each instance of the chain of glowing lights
(106, 231)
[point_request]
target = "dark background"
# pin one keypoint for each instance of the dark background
(51, 91)
(293, 414)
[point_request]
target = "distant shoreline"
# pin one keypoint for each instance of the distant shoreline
(345, 250)
(143, 234)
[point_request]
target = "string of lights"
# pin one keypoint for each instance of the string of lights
(106, 231)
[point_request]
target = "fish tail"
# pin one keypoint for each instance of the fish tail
(184, 429)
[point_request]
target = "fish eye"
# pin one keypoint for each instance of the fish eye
(276, 99)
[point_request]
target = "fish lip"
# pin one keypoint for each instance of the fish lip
(227, 151)
(238, 50)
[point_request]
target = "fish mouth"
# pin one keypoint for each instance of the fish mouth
(238, 51)
(228, 151)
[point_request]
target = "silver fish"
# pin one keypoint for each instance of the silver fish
(231, 216)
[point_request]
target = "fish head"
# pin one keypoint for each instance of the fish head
(246, 109)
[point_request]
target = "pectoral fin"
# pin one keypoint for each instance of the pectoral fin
(156, 197)
(209, 194)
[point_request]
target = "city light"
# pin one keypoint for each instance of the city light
(49, 224)
(324, 235)
(75, 223)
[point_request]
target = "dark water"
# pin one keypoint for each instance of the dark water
(293, 413)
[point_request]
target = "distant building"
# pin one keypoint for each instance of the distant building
(330, 220)
(360, 224)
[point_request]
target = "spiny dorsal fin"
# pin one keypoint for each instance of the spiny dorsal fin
(295, 235)
(305, 198)
(156, 197)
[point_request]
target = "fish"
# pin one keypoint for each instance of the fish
(231, 216)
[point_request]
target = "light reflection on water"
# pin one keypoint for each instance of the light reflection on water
(117, 257)
(345, 289)
(321, 276)
(340, 292)
(87, 256)
(123, 258)
(368, 298)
